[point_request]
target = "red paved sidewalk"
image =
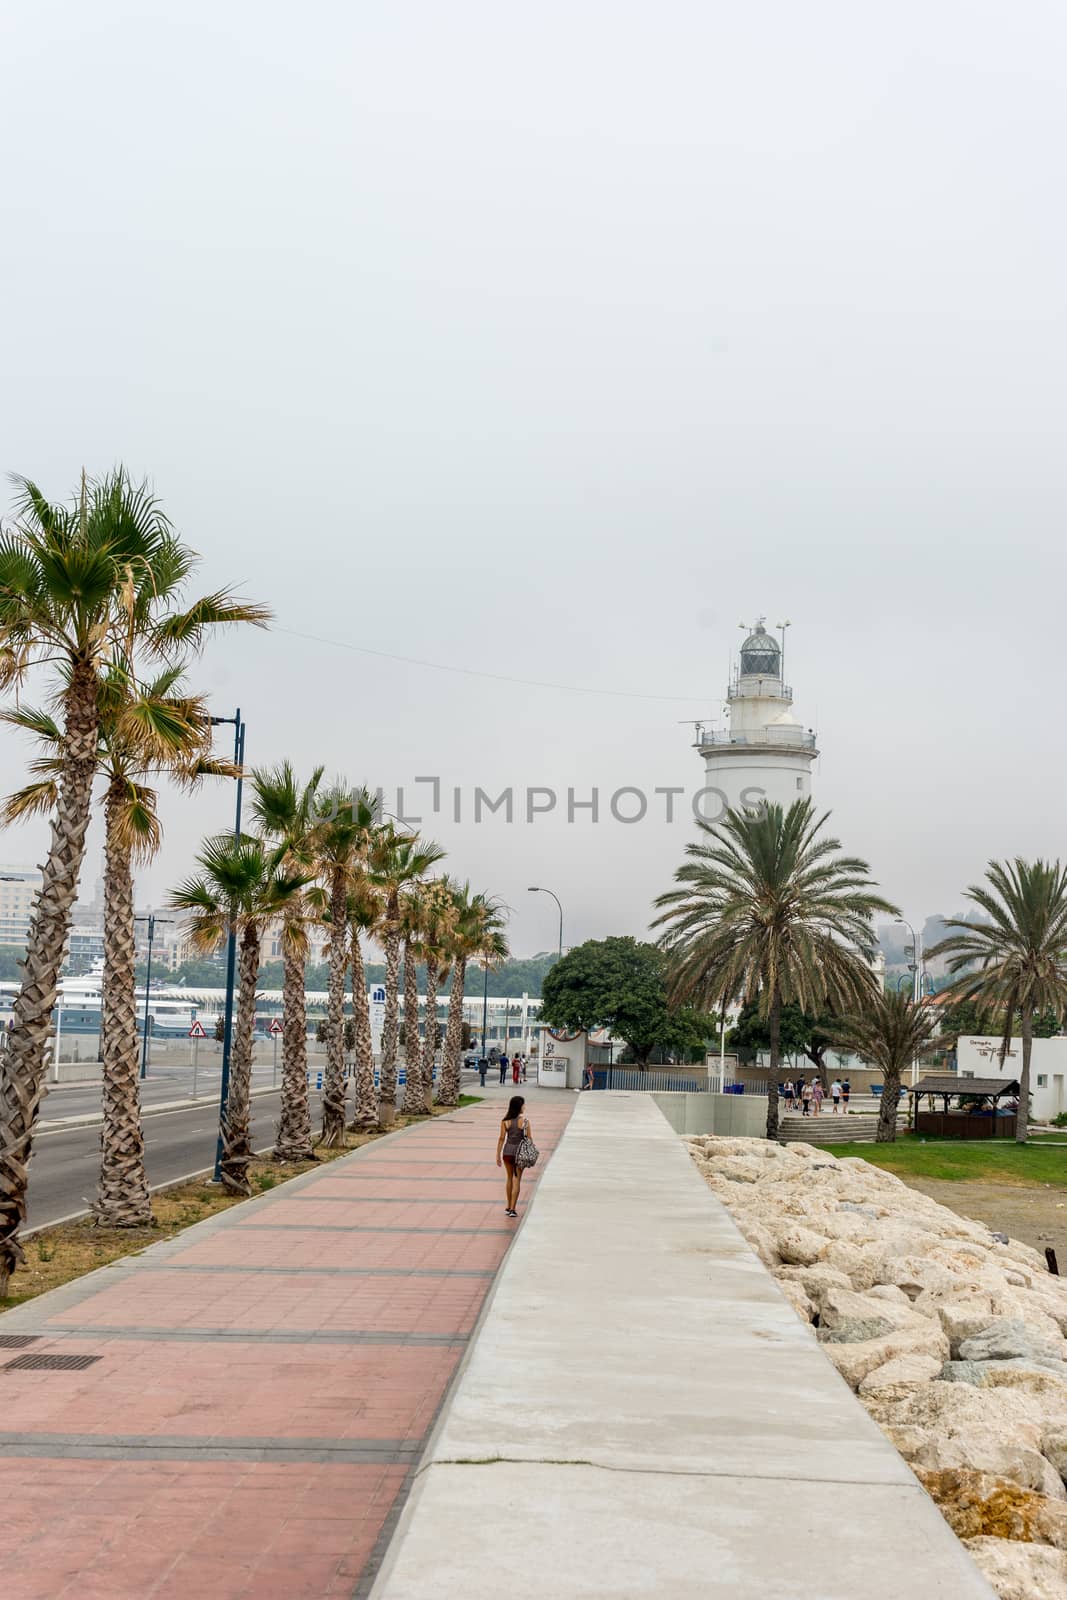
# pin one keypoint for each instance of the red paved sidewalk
(254, 1396)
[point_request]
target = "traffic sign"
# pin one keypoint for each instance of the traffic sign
(276, 1025)
(197, 1031)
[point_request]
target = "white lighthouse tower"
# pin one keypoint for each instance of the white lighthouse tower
(766, 754)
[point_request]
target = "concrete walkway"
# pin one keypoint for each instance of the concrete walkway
(642, 1415)
(238, 1412)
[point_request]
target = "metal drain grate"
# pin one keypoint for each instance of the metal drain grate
(17, 1341)
(48, 1363)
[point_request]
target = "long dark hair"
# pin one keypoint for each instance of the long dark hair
(515, 1105)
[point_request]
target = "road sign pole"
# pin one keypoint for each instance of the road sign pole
(274, 1081)
(196, 1059)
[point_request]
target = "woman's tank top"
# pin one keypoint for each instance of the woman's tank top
(514, 1135)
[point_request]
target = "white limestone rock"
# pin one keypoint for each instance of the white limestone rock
(794, 1293)
(812, 1279)
(1009, 1339)
(901, 1375)
(799, 1246)
(1020, 1571)
(888, 1291)
(855, 1361)
(848, 1318)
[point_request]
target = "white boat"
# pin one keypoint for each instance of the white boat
(79, 1004)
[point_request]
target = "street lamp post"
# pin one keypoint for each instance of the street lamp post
(231, 942)
(915, 966)
(534, 889)
(151, 919)
(485, 1003)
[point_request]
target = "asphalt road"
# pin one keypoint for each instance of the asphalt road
(65, 1165)
(162, 1086)
(65, 1162)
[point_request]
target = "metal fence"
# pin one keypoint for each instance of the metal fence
(632, 1078)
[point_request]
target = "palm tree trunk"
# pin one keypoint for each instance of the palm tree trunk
(122, 1199)
(22, 1064)
(365, 1119)
(413, 1096)
(237, 1117)
(889, 1107)
(448, 1094)
(333, 1087)
(391, 1021)
(293, 1141)
(774, 1020)
(1022, 1116)
(429, 1044)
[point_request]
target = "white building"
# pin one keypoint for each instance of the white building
(980, 1058)
(765, 754)
(19, 887)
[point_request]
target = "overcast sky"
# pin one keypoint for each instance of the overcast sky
(553, 341)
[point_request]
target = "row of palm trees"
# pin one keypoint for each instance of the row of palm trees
(94, 599)
(323, 857)
(768, 910)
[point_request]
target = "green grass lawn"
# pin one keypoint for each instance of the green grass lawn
(958, 1161)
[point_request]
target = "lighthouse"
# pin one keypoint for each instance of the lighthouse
(766, 753)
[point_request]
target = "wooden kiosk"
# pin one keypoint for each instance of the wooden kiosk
(983, 1121)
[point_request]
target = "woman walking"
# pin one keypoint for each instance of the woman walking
(513, 1130)
(817, 1094)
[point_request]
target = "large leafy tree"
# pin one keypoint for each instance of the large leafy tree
(619, 983)
(767, 909)
(144, 731)
(285, 811)
(81, 585)
(341, 840)
(892, 1031)
(243, 885)
(477, 933)
(799, 1034)
(1012, 957)
(396, 861)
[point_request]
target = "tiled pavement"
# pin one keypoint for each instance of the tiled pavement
(260, 1389)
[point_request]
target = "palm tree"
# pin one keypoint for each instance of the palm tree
(767, 911)
(80, 586)
(242, 886)
(438, 919)
(285, 810)
(1016, 962)
(364, 917)
(143, 731)
(411, 924)
(340, 840)
(892, 1031)
(477, 932)
(396, 860)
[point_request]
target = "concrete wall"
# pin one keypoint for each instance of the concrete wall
(733, 1115)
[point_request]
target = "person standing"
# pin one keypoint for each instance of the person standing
(789, 1094)
(523, 1060)
(504, 1068)
(846, 1090)
(515, 1069)
(835, 1096)
(514, 1128)
(817, 1094)
(805, 1095)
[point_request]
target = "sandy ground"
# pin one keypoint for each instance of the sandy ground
(1037, 1216)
